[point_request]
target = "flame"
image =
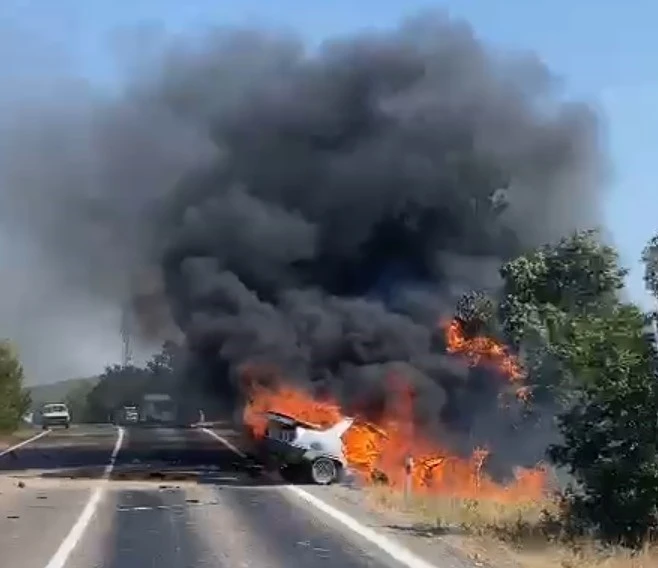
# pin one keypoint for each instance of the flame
(483, 350)
(382, 449)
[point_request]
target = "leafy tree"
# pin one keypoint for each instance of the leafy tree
(118, 386)
(589, 361)
(126, 385)
(76, 400)
(544, 291)
(650, 259)
(476, 311)
(14, 398)
(168, 361)
(610, 432)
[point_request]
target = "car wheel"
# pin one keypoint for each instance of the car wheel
(324, 471)
(66, 426)
(44, 427)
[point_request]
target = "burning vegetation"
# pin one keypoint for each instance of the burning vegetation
(318, 211)
(377, 451)
(355, 193)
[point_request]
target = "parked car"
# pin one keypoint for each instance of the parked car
(55, 414)
(305, 451)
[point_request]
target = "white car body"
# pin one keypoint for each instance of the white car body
(294, 443)
(55, 414)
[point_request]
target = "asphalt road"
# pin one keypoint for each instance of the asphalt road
(166, 498)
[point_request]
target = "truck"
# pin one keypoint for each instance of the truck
(158, 408)
(127, 414)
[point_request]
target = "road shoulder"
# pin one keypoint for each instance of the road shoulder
(20, 438)
(394, 525)
(354, 503)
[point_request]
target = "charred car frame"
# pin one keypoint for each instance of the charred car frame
(305, 451)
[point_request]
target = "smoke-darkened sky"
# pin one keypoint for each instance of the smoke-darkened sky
(364, 171)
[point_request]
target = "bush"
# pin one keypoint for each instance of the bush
(610, 431)
(14, 398)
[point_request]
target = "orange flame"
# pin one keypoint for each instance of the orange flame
(381, 450)
(482, 350)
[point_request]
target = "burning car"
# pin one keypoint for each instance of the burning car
(305, 450)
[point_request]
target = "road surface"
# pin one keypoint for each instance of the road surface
(141, 497)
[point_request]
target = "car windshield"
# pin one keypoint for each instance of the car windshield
(54, 408)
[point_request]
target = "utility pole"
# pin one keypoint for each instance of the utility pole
(126, 332)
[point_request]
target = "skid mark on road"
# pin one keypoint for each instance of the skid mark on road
(393, 549)
(60, 557)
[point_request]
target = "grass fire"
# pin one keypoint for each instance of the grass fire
(378, 450)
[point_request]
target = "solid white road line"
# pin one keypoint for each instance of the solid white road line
(75, 534)
(225, 442)
(25, 442)
(395, 550)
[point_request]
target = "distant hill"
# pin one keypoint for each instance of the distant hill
(56, 392)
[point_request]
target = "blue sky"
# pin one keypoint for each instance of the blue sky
(606, 51)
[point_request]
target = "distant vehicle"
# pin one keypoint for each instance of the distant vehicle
(304, 450)
(131, 414)
(126, 415)
(157, 408)
(55, 414)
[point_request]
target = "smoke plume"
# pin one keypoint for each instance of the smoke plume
(356, 193)
(318, 211)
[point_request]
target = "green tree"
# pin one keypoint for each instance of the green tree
(126, 385)
(14, 398)
(588, 360)
(544, 291)
(77, 402)
(610, 430)
(650, 259)
(118, 386)
(168, 361)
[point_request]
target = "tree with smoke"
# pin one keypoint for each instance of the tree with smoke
(322, 211)
(355, 197)
(548, 290)
(14, 397)
(650, 259)
(610, 429)
(589, 363)
(121, 385)
(319, 210)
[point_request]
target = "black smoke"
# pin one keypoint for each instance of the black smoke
(318, 211)
(358, 191)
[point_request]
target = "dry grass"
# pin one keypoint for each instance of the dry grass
(526, 535)
(9, 439)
